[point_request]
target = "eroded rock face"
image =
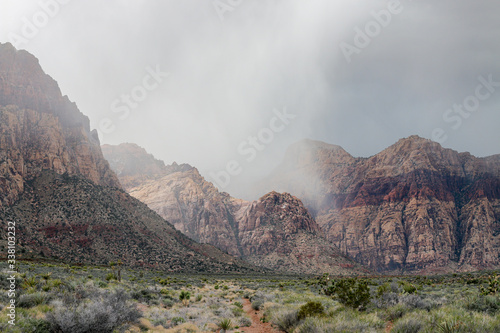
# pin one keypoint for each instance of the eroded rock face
(275, 232)
(41, 130)
(60, 191)
(413, 207)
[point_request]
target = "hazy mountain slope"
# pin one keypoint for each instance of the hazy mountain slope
(414, 206)
(275, 231)
(66, 201)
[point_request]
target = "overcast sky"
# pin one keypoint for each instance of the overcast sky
(360, 74)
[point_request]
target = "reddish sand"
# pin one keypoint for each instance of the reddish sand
(257, 325)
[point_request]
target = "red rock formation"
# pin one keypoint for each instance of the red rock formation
(40, 129)
(413, 207)
(66, 201)
(275, 232)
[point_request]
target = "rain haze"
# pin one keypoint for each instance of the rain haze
(232, 83)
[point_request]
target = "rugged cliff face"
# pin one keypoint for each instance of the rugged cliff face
(275, 232)
(278, 232)
(413, 207)
(41, 130)
(60, 191)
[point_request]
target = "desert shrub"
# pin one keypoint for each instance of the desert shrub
(184, 296)
(109, 311)
(237, 312)
(351, 292)
(159, 316)
(492, 286)
(245, 322)
(33, 325)
(257, 303)
(144, 295)
(481, 303)
(407, 325)
(385, 300)
(408, 288)
(450, 326)
(382, 289)
(31, 300)
(111, 276)
(238, 304)
(395, 312)
(414, 302)
(178, 320)
(310, 309)
(168, 303)
(286, 320)
(311, 325)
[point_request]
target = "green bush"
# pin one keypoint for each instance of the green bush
(492, 287)
(237, 312)
(408, 288)
(33, 325)
(31, 300)
(382, 289)
(257, 304)
(481, 303)
(178, 320)
(395, 312)
(351, 292)
(110, 276)
(286, 320)
(310, 309)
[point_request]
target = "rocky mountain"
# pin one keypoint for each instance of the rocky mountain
(41, 129)
(275, 232)
(414, 207)
(60, 191)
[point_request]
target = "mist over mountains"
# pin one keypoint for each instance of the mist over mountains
(227, 76)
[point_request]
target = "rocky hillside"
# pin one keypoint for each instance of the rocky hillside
(413, 207)
(66, 201)
(41, 129)
(275, 232)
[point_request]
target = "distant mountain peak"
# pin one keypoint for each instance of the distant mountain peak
(134, 164)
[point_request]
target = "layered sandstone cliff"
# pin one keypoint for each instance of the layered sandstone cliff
(275, 232)
(41, 129)
(59, 190)
(413, 207)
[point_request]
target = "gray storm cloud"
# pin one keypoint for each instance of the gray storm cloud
(201, 82)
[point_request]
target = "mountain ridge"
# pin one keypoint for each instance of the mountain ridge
(275, 231)
(66, 201)
(376, 209)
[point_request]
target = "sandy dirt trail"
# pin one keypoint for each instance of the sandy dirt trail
(257, 325)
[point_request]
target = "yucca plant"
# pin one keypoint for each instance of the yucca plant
(30, 282)
(493, 286)
(184, 297)
(224, 325)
